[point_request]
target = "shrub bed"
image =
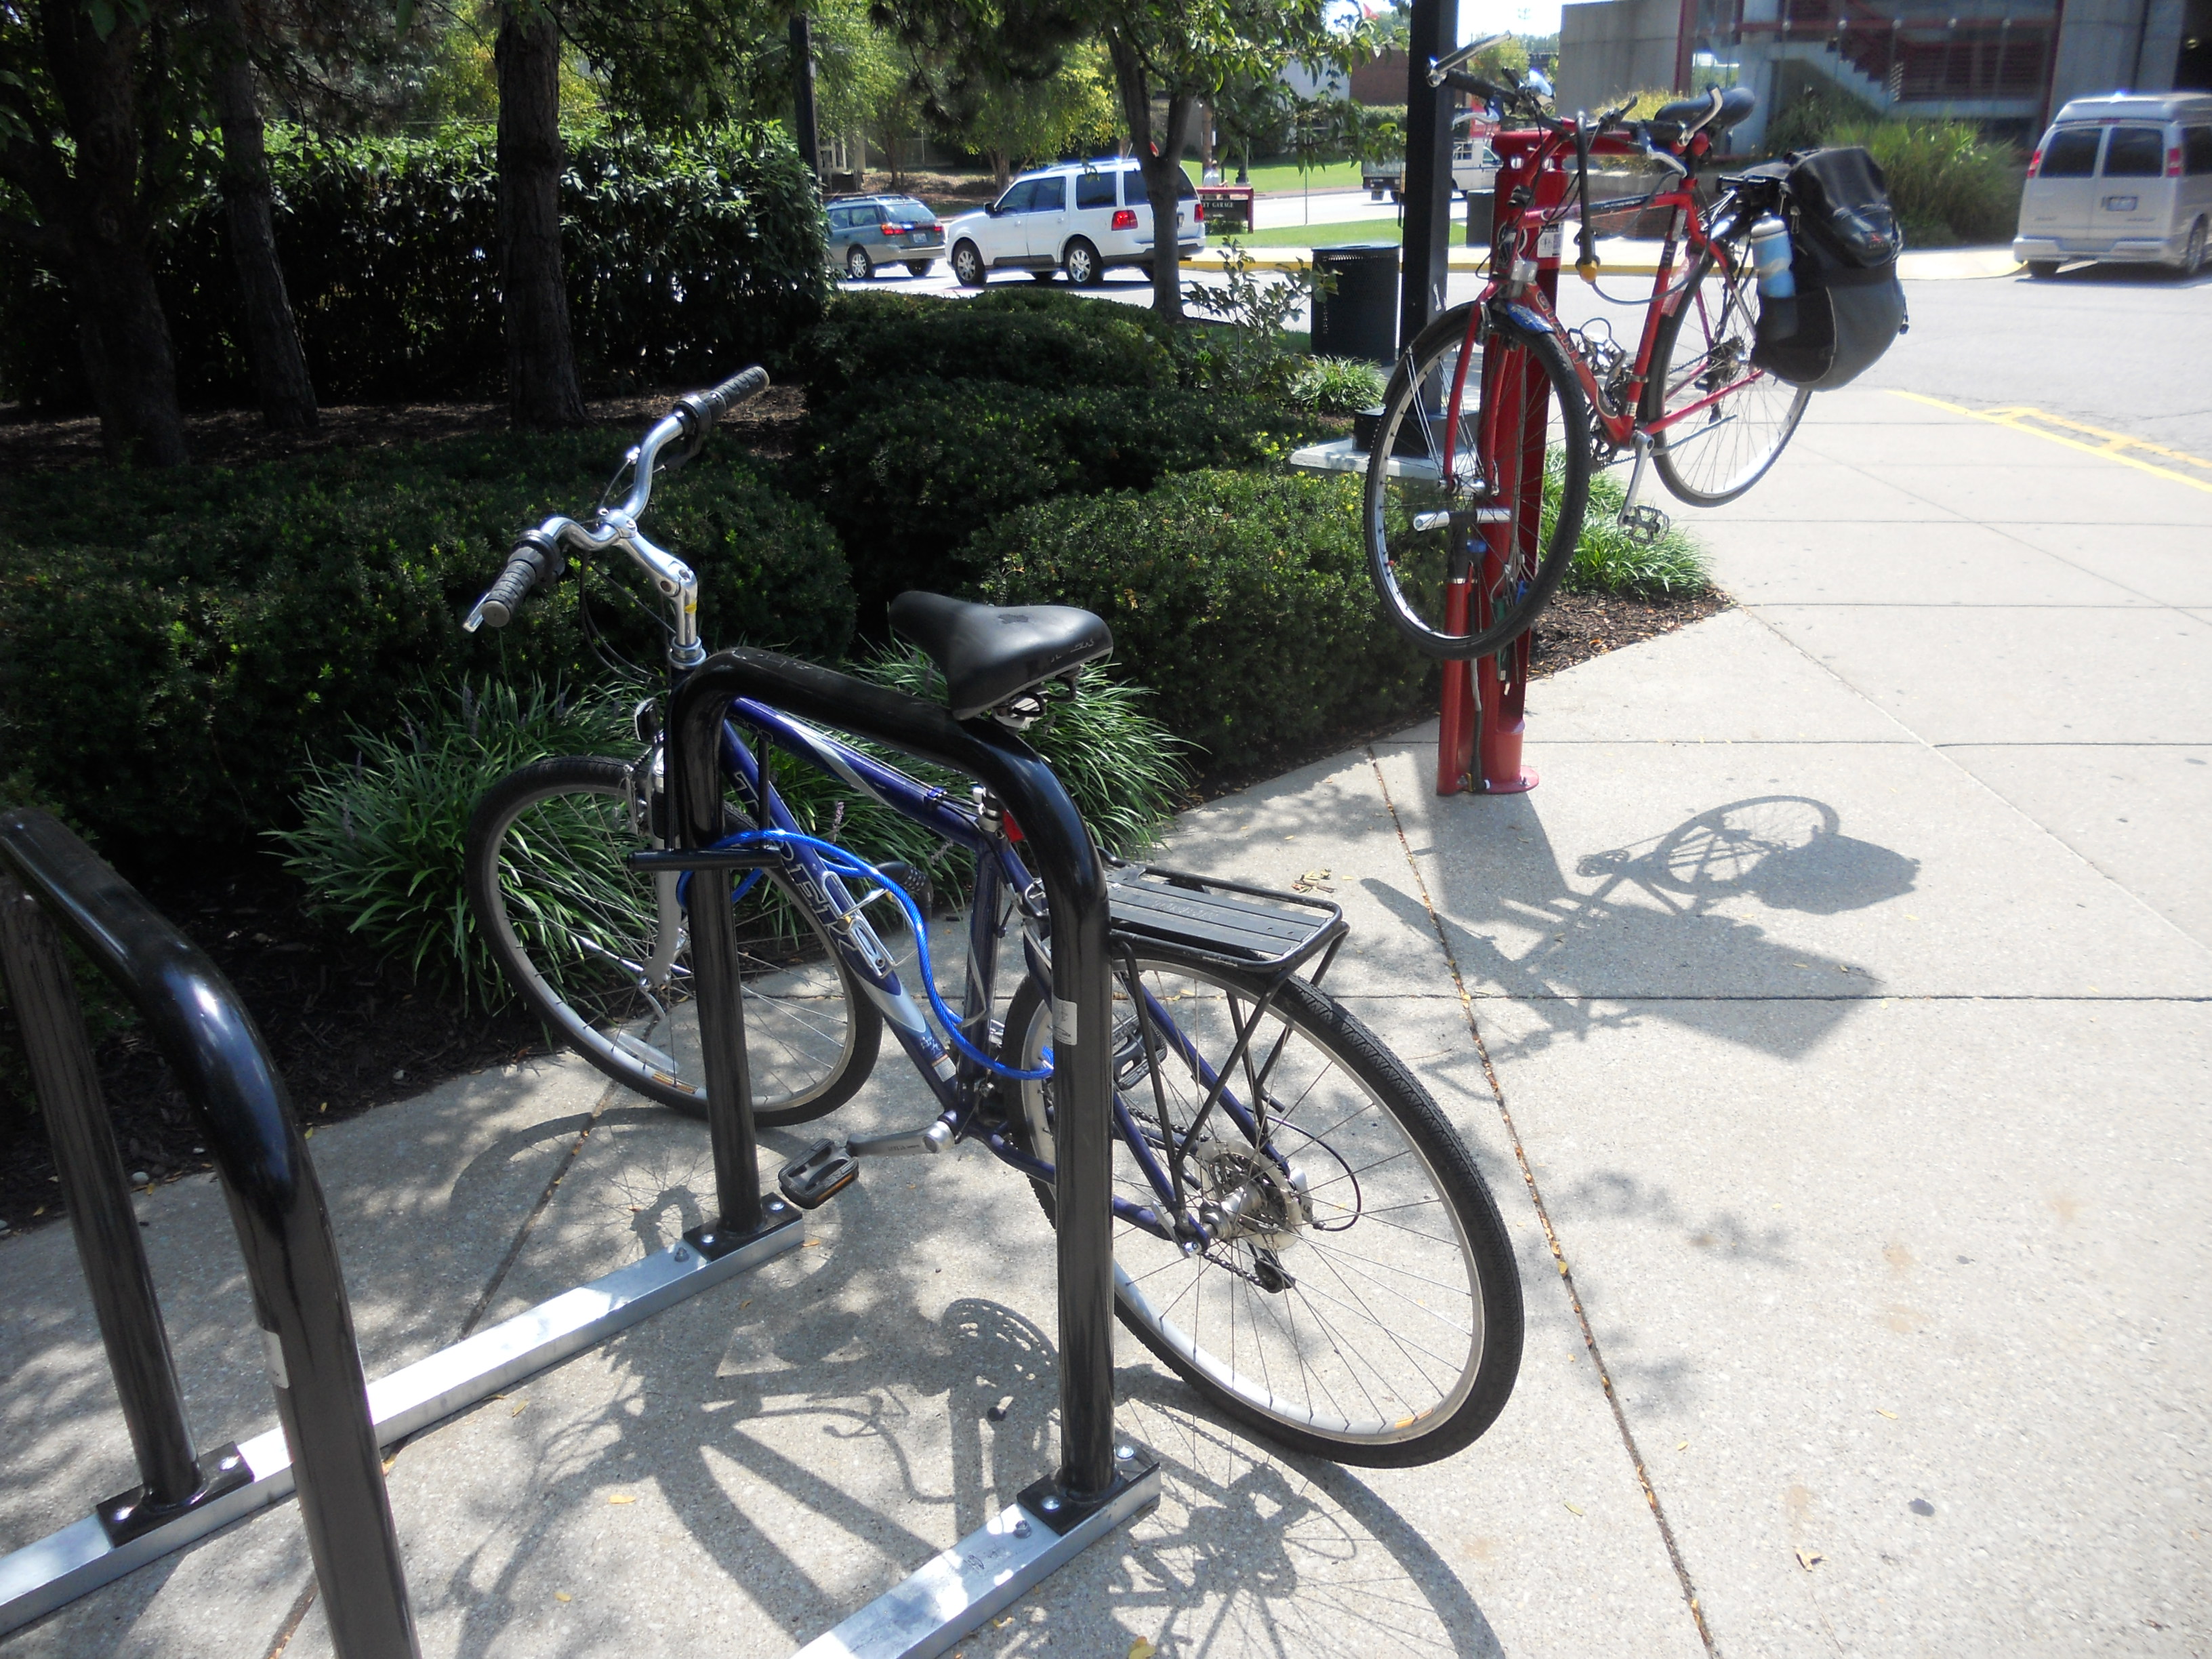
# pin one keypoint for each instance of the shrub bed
(685, 260)
(179, 641)
(909, 476)
(1241, 598)
(1947, 183)
(1030, 337)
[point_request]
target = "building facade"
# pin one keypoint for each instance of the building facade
(2007, 64)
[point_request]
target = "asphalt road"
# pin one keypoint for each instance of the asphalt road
(2127, 349)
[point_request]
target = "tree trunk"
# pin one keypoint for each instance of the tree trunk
(1161, 165)
(541, 362)
(121, 328)
(272, 337)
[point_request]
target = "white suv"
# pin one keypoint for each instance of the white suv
(1084, 217)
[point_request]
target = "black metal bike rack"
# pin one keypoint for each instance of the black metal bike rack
(331, 1424)
(1098, 1478)
(328, 1446)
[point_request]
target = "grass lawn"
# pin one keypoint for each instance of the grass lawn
(1358, 230)
(1284, 175)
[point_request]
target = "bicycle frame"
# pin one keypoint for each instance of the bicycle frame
(1520, 252)
(962, 1086)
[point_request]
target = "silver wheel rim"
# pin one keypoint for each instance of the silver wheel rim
(1728, 446)
(856, 265)
(798, 1038)
(1307, 1366)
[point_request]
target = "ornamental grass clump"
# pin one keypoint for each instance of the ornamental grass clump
(381, 835)
(1610, 559)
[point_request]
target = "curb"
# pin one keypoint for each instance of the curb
(1952, 264)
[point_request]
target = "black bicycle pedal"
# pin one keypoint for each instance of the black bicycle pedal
(818, 1174)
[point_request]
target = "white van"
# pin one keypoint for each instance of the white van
(1083, 218)
(2124, 177)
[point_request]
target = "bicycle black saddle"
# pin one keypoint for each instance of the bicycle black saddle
(988, 654)
(1736, 104)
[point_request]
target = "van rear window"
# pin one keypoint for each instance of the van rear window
(2070, 152)
(2136, 152)
(2196, 151)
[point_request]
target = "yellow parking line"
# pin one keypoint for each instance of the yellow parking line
(2113, 448)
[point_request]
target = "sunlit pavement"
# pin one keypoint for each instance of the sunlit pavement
(1833, 1024)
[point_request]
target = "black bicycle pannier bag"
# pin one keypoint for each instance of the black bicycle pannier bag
(1844, 246)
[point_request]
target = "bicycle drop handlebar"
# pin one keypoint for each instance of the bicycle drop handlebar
(537, 553)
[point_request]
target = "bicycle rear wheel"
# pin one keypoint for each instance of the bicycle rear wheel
(601, 955)
(1726, 422)
(1359, 1298)
(1442, 482)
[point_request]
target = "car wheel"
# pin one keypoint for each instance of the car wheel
(857, 267)
(919, 267)
(2192, 257)
(2043, 270)
(968, 265)
(1083, 267)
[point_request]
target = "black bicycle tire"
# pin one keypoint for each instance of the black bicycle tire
(1573, 407)
(1495, 1271)
(495, 810)
(1654, 402)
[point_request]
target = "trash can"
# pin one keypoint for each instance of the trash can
(1360, 318)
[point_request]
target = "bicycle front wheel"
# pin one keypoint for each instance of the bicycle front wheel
(1717, 423)
(601, 955)
(1443, 489)
(1358, 1298)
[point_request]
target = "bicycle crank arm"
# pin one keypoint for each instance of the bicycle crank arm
(912, 1143)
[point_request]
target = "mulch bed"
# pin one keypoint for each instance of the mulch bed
(351, 1032)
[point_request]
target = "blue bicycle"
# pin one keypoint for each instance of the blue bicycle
(1297, 1230)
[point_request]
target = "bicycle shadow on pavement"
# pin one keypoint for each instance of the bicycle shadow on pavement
(1642, 925)
(762, 1417)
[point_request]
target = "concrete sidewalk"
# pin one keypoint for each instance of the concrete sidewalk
(1833, 1024)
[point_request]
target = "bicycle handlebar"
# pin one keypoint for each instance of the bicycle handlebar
(537, 553)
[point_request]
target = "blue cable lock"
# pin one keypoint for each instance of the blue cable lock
(844, 863)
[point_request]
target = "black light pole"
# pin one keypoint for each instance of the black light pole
(802, 92)
(1433, 32)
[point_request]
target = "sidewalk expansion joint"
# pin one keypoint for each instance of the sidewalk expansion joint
(1544, 1218)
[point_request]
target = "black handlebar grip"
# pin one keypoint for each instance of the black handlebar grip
(1489, 91)
(703, 410)
(533, 558)
(741, 387)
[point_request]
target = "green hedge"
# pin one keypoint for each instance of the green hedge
(685, 260)
(1241, 598)
(179, 641)
(1032, 337)
(908, 475)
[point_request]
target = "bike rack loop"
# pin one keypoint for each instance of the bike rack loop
(284, 1231)
(1075, 889)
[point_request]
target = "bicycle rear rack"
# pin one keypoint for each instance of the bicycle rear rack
(1256, 929)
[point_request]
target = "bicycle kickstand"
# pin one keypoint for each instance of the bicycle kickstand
(1646, 524)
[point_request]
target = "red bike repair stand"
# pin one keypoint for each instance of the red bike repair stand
(1483, 716)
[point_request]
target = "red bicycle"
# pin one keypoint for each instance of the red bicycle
(1466, 537)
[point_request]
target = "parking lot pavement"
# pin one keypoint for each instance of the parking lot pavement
(1836, 1041)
